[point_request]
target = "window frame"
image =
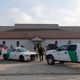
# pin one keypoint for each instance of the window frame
(59, 49)
(72, 48)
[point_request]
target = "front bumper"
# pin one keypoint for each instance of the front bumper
(30, 57)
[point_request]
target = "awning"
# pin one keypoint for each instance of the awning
(37, 39)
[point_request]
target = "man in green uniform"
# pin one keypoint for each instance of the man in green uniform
(41, 52)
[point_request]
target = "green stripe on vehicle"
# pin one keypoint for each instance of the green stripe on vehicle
(8, 54)
(73, 56)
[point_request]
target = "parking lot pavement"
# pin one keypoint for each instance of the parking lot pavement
(40, 77)
(37, 68)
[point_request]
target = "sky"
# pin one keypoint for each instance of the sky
(62, 12)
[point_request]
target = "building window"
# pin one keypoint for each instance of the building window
(17, 43)
(3, 42)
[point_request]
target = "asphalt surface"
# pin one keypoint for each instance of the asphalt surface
(36, 70)
(40, 77)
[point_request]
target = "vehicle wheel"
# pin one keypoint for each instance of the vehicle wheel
(62, 62)
(5, 57)
(50, 60)
(21, 58)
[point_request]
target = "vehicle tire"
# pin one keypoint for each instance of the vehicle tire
(50, 60)
(62, 62)
(5, 57)
(21, 58)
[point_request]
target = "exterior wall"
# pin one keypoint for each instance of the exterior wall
(26, 43)
(29, 45)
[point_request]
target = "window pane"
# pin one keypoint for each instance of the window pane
(64, 47)
(17, 43)
(72, 47)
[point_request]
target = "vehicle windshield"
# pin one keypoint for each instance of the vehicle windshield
(22, 50)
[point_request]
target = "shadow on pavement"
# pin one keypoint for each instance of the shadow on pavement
(10, 62)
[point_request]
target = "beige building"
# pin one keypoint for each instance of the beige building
(30, 35)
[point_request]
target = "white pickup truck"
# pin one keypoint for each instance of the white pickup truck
(65, 53)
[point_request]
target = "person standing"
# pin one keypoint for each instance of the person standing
(41, 52)
(69, 42)
(35, 49)
(56, 44)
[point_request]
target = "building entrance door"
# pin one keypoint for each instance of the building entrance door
(36, 45)
(36, 42)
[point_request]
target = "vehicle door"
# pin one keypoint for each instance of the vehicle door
(62, 53)
(12, 54)
(17, 54)
(72, 53)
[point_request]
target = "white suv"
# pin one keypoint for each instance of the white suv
(69, 52)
